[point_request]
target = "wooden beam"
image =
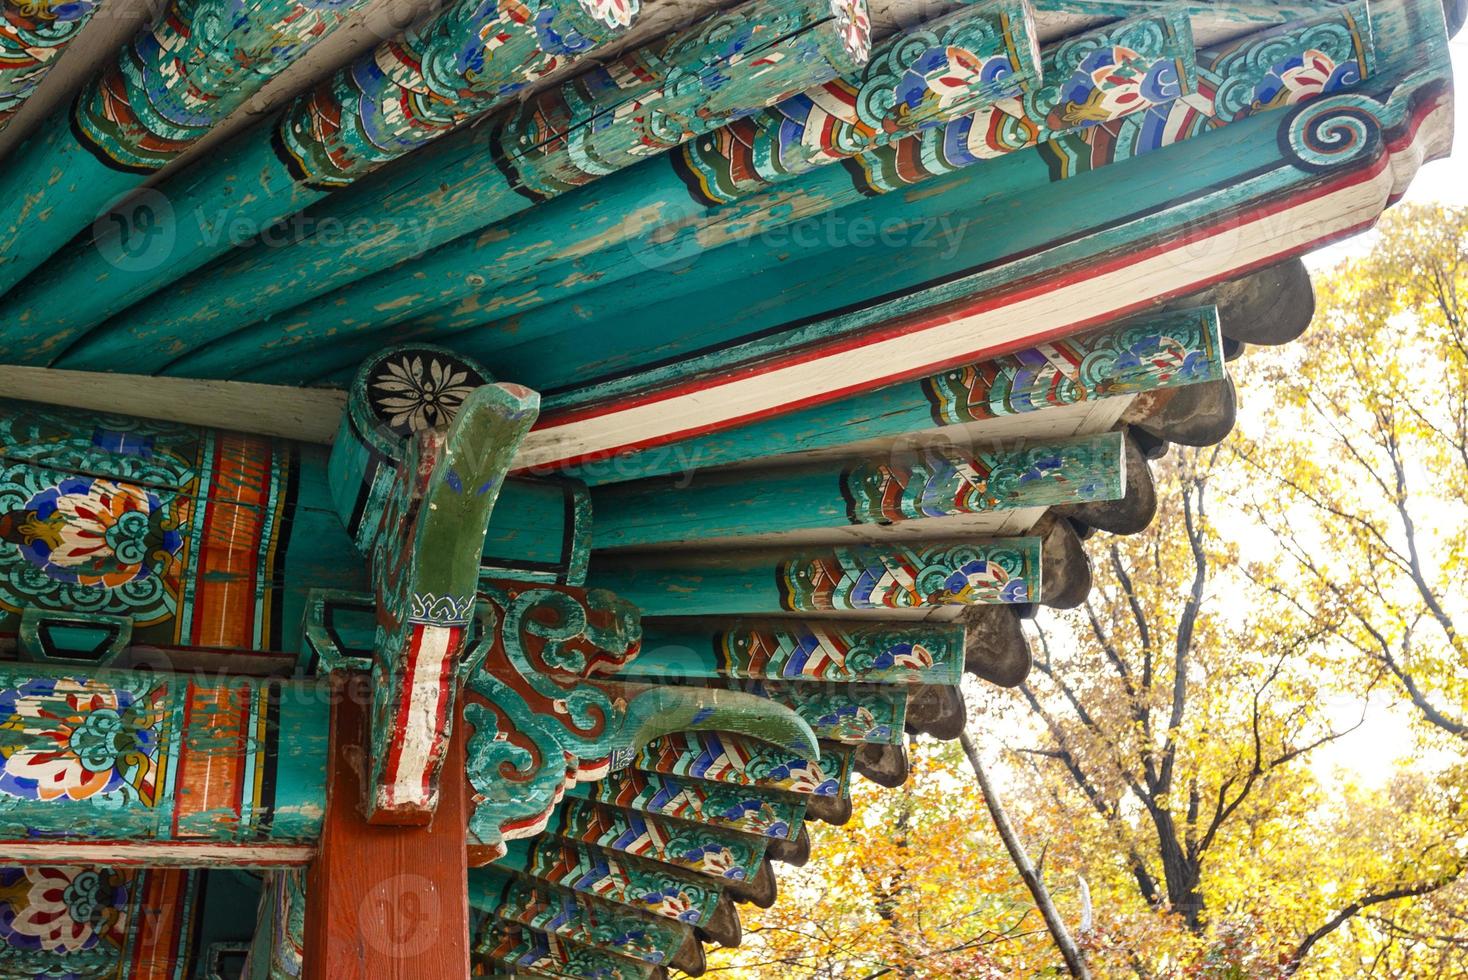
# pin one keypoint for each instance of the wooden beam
(911, 488)
(156, 769)
(386, 903)
(830, 652)
(844, 578)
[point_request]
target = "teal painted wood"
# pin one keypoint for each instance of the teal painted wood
(1145, 354)
(32, 37)
(792, 650)
(608, 119)
(165, 89)
(695, 847)
(406, 92)
(541, 954)
(889, 576)
(1097, 76)
(911, 485)
(726, 758)
(576, 918)
(991, 45)
(758, 811)
(157, 764)
(797, 244)
(647, 886)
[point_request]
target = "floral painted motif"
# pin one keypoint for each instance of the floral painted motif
(1303, 76)
(946, 77)
(813, 651)
(95, 532)
(77, 738)
(1112, 82)
(62, 910)
(420, 391)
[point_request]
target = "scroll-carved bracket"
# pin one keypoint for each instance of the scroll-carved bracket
(422, 524)
(542, 721)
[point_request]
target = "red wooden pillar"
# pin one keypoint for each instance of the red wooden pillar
(386, 903)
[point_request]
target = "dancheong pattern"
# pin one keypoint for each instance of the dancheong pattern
(905, 578)
(577, 919)
(918, 78)
(194, 66)
(940, 483)
(815, 651)
(32, 36)
(684, 845)
(739, 761)
(717, 805)
(1148, 354)
(178, 529)
(1266, 70)
(644, 885)
(415, 88)
(75, 738)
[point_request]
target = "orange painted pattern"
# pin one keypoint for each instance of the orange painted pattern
(227, 567)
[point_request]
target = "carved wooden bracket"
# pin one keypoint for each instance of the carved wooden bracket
(541, 721)
(422, 523)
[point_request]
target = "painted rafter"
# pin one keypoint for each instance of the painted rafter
(646, 102)
(877, 577)
(792, 650)
(1100, 75)
(163, 91)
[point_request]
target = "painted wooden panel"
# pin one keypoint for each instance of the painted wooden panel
(904, 486)
(577, 918)
(155, 769)
(70, 921)
(790, 650)
(764, 813)
(847, 578)
(1141, 355)
(210, 539)
(611, 118)
(198, 62)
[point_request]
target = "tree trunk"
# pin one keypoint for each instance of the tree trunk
(1068, 949)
